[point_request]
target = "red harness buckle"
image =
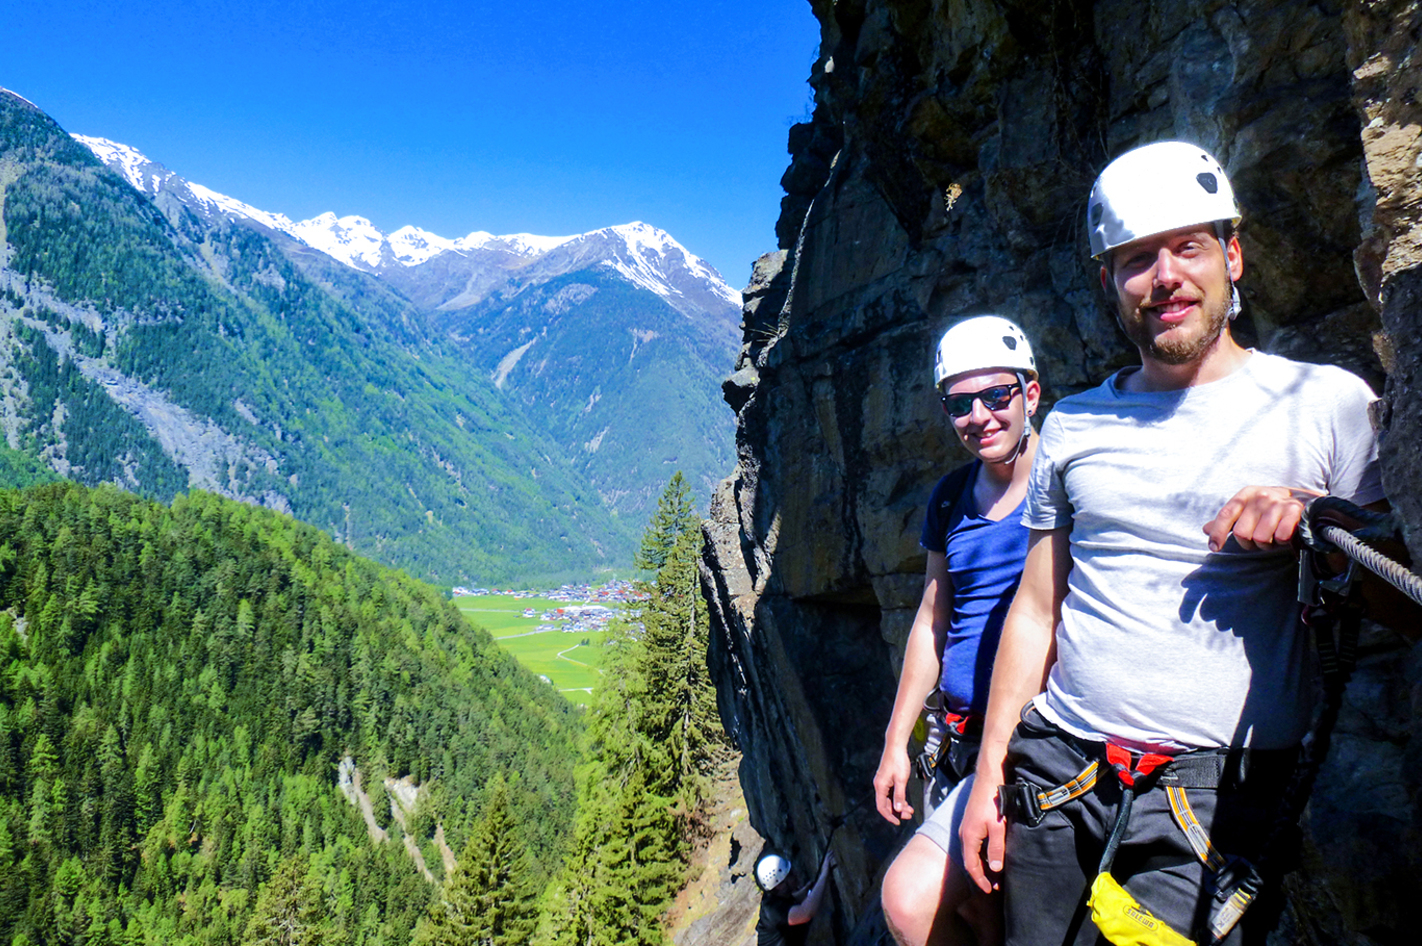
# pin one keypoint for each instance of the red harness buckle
(959, 722)
(1127, 771)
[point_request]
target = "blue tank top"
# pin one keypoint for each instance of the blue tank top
(985, 564)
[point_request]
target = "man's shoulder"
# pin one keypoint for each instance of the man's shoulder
(1086, 406)
(1287, 377)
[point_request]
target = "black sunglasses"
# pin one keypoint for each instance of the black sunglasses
(994, 398)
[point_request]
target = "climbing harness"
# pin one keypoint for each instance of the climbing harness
(1118, 915)
(950, 742)
(1332, 615)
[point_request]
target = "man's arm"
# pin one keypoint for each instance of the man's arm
(919, 676)
(1024, 655)
(805, 910)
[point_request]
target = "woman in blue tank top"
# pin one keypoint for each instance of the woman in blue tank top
(986, 377)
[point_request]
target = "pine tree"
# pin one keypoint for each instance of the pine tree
(288, 911)
(675, 516)
(653, 735)
(489, 899)
(680, 704)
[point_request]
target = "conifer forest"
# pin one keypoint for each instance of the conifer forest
(202, 706)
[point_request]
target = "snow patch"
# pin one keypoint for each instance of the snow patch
(235, 208)
(640, 337)
(20, 97)
(592, 445)
(413, 246)
(654, 249)
(506, 363)
(128, 161)
(531, 244)
(353, 240)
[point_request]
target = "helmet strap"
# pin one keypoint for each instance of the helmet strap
(1026, 417)
(1234, 306)
(1026, 438)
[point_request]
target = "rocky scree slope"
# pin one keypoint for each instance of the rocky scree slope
(520, 309)
(145, 344)
(944, 173)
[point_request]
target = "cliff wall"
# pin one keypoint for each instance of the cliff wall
(944, 173)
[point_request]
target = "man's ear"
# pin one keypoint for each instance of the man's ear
(1105, 281)
(1235, 257)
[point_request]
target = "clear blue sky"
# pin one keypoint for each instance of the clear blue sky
(552, 118)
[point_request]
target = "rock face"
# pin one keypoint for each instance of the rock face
(944, 174)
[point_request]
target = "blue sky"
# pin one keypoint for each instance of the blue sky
(551, 118)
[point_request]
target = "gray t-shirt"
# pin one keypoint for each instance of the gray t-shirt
(1163, 644)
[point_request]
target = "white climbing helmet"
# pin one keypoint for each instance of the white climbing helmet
(984, 341)
(771, 870)
(1154, 189)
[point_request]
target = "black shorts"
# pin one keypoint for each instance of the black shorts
(1049, 867)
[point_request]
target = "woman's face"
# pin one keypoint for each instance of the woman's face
(992, 423)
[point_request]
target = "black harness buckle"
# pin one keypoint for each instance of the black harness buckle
(1017, 801)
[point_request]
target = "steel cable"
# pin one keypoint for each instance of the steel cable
(1392, 572)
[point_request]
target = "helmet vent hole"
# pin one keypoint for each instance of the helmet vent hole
(1096, 213)
(1010, 342)
(1208, 181)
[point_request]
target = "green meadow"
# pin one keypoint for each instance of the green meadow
(560, 657)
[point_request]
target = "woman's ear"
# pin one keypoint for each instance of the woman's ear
(1033, 393)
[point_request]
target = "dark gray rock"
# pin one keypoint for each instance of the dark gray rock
(965, 136)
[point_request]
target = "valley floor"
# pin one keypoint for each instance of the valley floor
(558, 639)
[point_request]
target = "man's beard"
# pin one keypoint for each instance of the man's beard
(1175, 349)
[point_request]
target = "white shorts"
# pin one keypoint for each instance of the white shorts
(941, 827)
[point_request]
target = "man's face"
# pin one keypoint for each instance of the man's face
(1173, 292)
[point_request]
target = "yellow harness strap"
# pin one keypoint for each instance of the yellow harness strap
(1224, 917)
(1074, 787)
(1123, 921)
(1194, 832)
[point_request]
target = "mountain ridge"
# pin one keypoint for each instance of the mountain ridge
(360, 244)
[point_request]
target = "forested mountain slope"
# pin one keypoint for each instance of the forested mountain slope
(177, 688)
(613, 372)
(152, 347)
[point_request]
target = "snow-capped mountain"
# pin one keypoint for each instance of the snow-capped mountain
(583, 333)
(157, 181)
(475, 264)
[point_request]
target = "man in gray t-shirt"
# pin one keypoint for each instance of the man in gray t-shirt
(1156, 612)
(1132, 476)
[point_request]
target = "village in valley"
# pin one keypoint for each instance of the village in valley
(558, 634)
(575, 608)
